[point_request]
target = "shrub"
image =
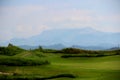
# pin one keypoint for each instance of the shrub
(23, 77)
(62, 75)
(10, 50)
(117, 52)
(71, 50)
(82, 55)
(17, 61)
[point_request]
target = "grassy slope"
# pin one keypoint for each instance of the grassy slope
(103, 68)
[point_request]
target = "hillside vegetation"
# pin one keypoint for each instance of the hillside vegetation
(15, 56)
(10, 50)
(65, 64)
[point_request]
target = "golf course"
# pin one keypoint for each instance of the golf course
(39, 65)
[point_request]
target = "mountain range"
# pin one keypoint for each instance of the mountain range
(88, 38)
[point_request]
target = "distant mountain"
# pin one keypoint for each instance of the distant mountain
(55, 46)
(115, 48)
(27, 47)
(90, 47)
(82, 37)
(61, 46)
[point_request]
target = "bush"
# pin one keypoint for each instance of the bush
(17, 61)
(23, 77)
(71, 50)
(117, 52)
(10, 50)
(62, 75)
(82, 55)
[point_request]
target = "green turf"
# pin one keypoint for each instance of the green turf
(84, 68)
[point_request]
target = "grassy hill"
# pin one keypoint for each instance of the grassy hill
(72, 68)
(10, 50)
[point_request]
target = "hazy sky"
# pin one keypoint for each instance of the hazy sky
(25, 18)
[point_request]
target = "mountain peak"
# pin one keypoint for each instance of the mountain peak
(85, 36)
(88, 30)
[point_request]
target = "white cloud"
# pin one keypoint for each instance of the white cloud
(110, 18)
(11, 24)
(22, 9)
(73, 15)
(28, 31)
(30, 20)
(5, 36)
(83, 18)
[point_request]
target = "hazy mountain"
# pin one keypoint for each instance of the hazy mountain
(27, 47)
(68, 37)
(60, 46)
(55, 46)
(99, 47)
(114, 48)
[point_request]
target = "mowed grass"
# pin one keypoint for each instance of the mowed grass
(84, 68)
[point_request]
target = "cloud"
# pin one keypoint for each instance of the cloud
(5, 35)
(110, 18)
(21, 31)
(25, 31)
(29, 20)
(11, 24)
(87, 18)
(72, 15)
(20, 11)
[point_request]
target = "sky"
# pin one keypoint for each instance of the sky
(26, 18)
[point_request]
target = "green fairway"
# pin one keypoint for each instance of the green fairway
(84, 68)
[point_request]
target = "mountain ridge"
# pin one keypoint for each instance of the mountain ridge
(69, 37)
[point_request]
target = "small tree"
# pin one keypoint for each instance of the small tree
(40, 48)
(10, 45)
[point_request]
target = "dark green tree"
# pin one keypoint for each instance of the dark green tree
(40, 48)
